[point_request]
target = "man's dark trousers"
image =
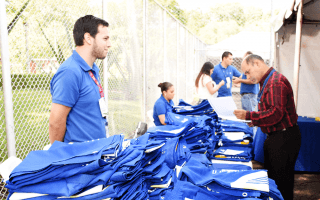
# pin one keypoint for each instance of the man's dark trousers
(281, 150)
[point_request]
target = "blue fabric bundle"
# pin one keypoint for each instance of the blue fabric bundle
(169, 131)
(72, 166)
(168, 162)
(233, 153)
(204, 108)
(177, 120)
(234, 139)
(227, 184)
(183, 103)
(198, 131)
(234, 126)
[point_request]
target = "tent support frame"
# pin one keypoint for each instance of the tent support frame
(297, 53)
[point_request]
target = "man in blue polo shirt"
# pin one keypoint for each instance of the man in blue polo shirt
(77, 96)
(225, 71)
(248, 90)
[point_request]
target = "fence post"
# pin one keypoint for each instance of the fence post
(144, 59)
(186, 68)
(7, 89)
(165, 78)
(178, 38)
(105, 69)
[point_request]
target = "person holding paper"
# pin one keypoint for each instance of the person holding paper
(277, 118)
(205, 87)
(164, 104)
(78, 105)
(225, 71)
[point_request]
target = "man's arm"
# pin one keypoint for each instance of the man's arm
(240, 80)
(236, 73)
(57, 122)
(271, 116)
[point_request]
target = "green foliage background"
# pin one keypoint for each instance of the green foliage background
(221, 21)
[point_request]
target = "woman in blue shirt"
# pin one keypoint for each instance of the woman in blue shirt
(164, 104)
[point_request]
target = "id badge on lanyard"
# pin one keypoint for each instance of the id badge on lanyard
(102, 101)
(228, 82)
(264, 85)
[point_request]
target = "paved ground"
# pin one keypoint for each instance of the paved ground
(306, 185)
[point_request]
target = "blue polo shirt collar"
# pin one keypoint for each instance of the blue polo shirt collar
(163, 99)
(222, 66)
(83, 64)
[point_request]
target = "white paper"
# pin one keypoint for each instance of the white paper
(175, 131)
(224, 107)
(232, 162)
(234, 135)
(231, 152)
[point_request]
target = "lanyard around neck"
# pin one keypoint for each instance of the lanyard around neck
(264, 84)
(98, 84)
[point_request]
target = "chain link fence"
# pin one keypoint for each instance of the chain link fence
(149, 46)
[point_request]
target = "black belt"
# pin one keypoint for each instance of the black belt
(245, 93)
(285, 129)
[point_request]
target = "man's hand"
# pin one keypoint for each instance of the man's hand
(240, 114)
(236, 80)
(237, 85)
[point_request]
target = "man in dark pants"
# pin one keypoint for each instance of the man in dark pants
(277, 118)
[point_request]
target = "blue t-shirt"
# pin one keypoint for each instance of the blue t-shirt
(72, 86)
(221, 73)
(161, 107)
(249, 88)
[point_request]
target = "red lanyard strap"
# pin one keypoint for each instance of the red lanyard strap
(99, 85)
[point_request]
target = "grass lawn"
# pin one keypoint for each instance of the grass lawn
(31, 119)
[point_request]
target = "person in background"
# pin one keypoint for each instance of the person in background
(164, 104)
(277, 118)
(206, 88)
(77, 95)
(225, 71)
(248, 90)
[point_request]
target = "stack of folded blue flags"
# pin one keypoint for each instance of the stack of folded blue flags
(199, 131)
(234, 142)
(194, 157)
(199, 179)
(204, 108)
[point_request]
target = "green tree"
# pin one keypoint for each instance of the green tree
(225, 20)
(229, 12)
(197, 20)
(173, 7)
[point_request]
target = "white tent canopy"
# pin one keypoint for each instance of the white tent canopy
(239, 44)
(286, 54)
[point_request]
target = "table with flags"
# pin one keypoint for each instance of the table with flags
(195, 156)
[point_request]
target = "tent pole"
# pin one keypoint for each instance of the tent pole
(297, 53)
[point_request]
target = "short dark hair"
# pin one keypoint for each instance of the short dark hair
(251, 58)
(164, 86)
(248, 53)
(226, 54)
(87, 24)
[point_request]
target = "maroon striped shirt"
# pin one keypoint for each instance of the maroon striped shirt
(276, 107)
